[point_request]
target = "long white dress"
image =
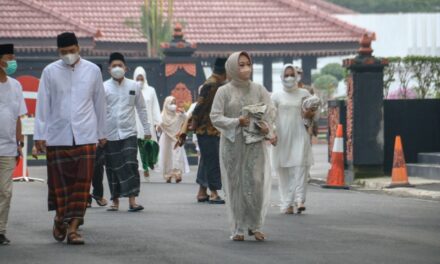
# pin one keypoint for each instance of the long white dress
(153, 110)
(245, 168)
(173, 162)
(292, 157)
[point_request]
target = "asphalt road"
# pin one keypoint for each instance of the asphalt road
(338, 227)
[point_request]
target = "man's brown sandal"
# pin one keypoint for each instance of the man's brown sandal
(59, 230)
(75, 239)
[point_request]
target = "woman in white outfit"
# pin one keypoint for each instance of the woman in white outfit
(154, 117)
(293, 156)
(172, 159)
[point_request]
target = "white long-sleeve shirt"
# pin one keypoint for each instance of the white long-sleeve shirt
(70, 104)
(122, 100)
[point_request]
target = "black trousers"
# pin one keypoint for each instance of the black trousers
(208, 173)
(98, 173)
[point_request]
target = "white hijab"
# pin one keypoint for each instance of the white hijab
(283, 81)
(141, 71)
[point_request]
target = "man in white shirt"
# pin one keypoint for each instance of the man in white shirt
(70, 120)
(12, 106)
(124, 98)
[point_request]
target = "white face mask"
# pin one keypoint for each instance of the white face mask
(172, 107)
(70, 58)
(290, 82)
(117, 72)
(140, 84)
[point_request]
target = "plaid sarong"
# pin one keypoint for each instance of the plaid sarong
(121, 166)
(69, 176)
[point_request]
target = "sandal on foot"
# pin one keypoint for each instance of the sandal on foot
(75, 239)
(301, 209)
(101, 201)
(59, 230)
(237, 238)
(202, 199)
(135, 208)
(113, 208)
(216, 200)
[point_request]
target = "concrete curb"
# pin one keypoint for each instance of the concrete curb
(381, 184)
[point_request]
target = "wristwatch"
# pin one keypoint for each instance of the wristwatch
(20, 143)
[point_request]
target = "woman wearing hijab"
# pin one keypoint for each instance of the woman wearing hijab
(154, 117)
(292, 157)
(244, 161)
(172, 158)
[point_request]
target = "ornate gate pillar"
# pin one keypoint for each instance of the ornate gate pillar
(183, 73)
(364, 131)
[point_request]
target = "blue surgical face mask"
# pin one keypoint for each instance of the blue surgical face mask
(11, 67)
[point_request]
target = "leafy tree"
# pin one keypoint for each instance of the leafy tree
(315, 76)
(389, 75)
(153, 24)
(326, 85)
(334, 69)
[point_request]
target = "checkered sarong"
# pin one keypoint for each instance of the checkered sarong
(121, 166)
(69, 176)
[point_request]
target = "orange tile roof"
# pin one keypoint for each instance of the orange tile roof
(32, 19)
(206, 21)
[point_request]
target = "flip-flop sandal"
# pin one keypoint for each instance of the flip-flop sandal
(217, 200)
(113, 208)
(100, 200)
(59, 231)
(75, 239)
(135, 208)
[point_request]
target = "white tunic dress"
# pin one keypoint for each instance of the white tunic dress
(292, 157)
(293, 148)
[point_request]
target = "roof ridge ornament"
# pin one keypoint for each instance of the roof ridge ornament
(365, 43)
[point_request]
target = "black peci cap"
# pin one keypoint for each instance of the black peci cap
(66, 39)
